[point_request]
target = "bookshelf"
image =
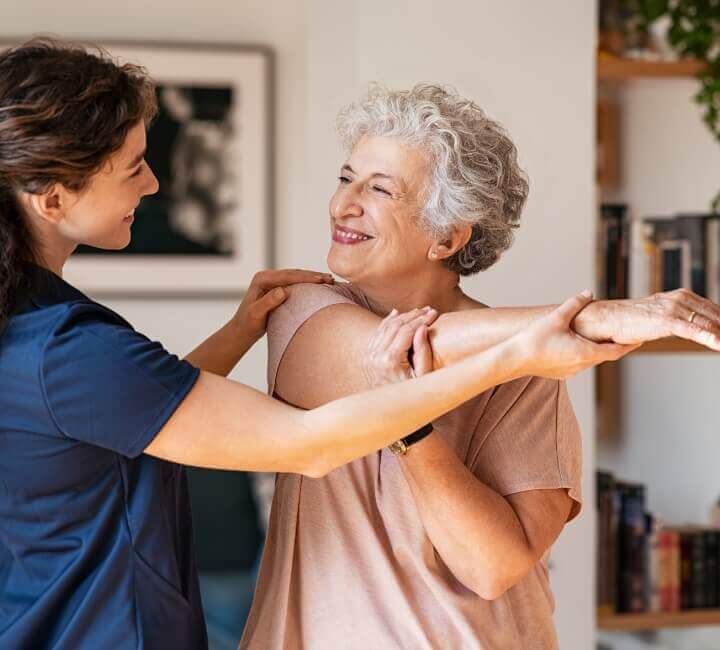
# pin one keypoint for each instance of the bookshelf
(615, 69)
(613, 385)
(672, 345)
(662, 620)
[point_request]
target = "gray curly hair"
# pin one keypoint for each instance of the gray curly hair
(474, 179)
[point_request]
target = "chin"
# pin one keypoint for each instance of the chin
(341, 266)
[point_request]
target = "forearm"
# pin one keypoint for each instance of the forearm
(473, 528)
(221, 352)
(372, 420)
(225, 425)
(456, 335)
(459, 334)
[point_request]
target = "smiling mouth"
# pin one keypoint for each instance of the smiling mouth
(344, 235)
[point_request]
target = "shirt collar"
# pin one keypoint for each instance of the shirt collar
(50, 289)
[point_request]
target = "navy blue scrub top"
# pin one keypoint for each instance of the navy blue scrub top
(95, 537)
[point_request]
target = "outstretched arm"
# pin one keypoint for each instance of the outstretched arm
(455, 335)
(223, 424)
(340, 335)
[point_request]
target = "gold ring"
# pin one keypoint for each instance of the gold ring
(692, 316)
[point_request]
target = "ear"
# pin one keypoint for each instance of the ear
(50, 205)
(451, 244)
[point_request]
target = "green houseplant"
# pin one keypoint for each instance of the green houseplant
(693, 32)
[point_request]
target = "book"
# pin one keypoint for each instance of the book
(631, 596)
(712, 566)
(674, 264)
(674, 571)
(654, 566)
(693, 229)
(712, 237)
(697, 570)
(614, 238)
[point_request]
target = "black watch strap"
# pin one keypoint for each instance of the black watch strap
(401, 446)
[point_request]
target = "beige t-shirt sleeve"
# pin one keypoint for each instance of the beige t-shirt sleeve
(528, 439)
(303, 302)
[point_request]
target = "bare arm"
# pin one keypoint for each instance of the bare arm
(456, 335)
(224, 424)
(488, 541)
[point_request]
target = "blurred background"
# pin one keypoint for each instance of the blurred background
(605, 120)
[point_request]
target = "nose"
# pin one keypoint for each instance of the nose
(346, 203)
(153, 185)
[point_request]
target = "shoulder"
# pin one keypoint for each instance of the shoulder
(311, 294)
(304, 301)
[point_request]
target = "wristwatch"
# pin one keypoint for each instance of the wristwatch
(400, 447)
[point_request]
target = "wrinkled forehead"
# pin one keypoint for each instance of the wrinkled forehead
(390, 157)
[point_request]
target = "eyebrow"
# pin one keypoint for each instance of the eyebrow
(137, 160)
(380, 174)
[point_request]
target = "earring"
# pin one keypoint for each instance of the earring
(433, 254)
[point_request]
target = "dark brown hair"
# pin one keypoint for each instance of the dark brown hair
(64, 110)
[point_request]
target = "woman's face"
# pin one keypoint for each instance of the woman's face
(101, 215)
(375, 213)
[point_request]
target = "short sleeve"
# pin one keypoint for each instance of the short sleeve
(107, 385)
(528, 439)
(304, 300)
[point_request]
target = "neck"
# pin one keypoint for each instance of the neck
(53, 250)
(439, 288)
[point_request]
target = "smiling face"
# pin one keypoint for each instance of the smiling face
(375, 213)
(102, 213)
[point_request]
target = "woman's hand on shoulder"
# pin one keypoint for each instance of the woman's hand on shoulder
(265, 293)
(680, 313)
(549, 347)
(388, 360)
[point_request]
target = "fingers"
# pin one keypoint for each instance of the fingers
(573, 306)
(681, 306)
(423, 356)
(260, 309)
(395, 333)
(267, 280)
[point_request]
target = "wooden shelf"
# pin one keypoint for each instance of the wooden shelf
(637, 622)
(619, 69)
(665, 346)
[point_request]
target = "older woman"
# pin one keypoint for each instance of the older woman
(439, 541)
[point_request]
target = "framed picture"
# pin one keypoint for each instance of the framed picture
(207, 230)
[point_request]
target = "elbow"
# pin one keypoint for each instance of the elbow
(491, 589)
(318, 467)
(491, 584)
(487, 587)
(315, 470)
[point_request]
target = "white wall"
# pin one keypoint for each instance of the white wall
(669, 425)
(530, 64)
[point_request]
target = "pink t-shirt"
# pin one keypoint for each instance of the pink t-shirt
(348, 565)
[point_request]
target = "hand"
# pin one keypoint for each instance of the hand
(655, 317)
(387, 359)
(548, 347)
(265, 293)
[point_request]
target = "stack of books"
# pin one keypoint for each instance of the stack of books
(644, 566)
(676, 252)
(684, 252)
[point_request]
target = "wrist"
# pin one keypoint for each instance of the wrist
(242, 339)
(592, 322)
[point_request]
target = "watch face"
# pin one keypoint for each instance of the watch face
(398, 448)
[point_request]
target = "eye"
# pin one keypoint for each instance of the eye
(382, 190)
(343, 180)
(138, 170)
